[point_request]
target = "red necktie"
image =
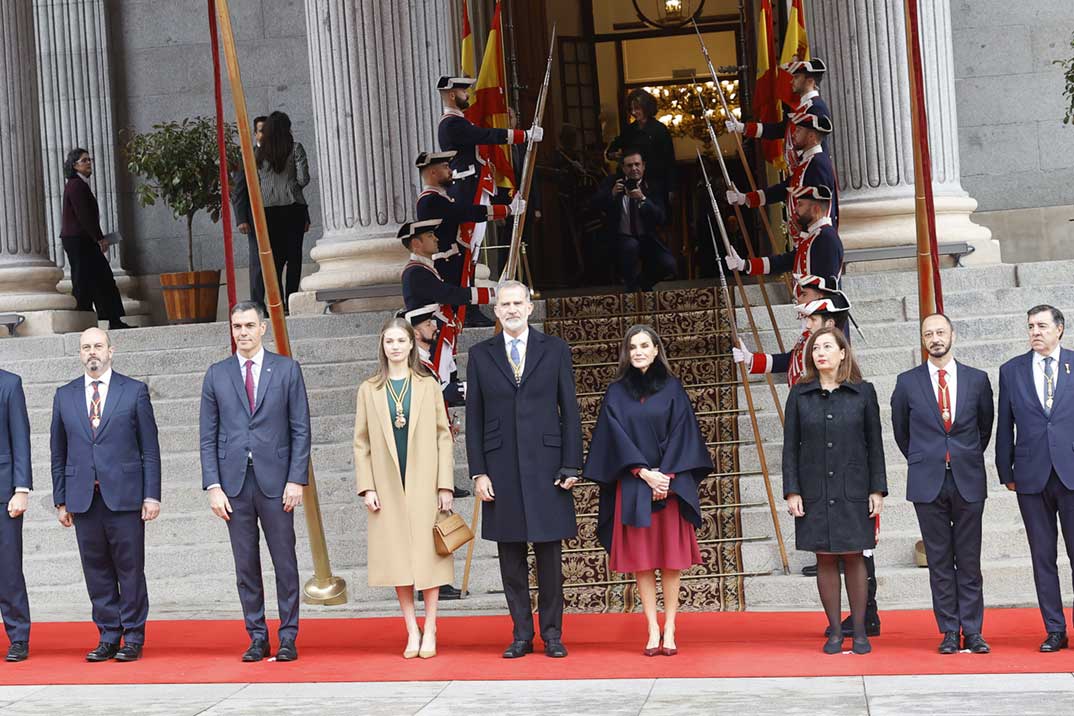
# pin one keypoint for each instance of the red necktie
(95, 406)
(944, 399)
(250, 384)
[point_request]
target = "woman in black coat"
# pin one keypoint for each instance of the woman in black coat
(833, 475)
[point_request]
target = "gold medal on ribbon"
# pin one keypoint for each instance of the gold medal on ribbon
(946, 414)
(397, 398)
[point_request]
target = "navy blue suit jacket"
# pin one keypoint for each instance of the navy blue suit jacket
(124, 455)
(919, 432)
(277, 433)
(1044, 443)
(15, 469)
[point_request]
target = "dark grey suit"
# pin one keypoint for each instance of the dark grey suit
(15, 472)
(252, 456)
(102, 478)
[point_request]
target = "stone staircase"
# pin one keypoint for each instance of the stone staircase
(987, 305)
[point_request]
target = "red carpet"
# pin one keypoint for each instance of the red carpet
(749, 644)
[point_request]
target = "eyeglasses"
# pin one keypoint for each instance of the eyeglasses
(85, 160)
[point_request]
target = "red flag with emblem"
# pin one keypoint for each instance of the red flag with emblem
(766, 107)
(488, 106)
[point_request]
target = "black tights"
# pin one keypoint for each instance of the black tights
(831, 593)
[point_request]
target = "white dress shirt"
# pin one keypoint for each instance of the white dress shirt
(951, 374)
(522, 339)
(102, 390)
(1038, 374)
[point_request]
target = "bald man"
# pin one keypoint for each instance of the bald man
(106, 482)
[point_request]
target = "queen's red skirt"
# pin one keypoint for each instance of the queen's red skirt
(670, 542)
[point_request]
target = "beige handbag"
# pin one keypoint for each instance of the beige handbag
(450, 533)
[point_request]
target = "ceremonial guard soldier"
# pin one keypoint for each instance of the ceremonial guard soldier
(422, 283)
(818, 250)
(814, 168)
(805, 76)
(426, 321)
(457, 133)
(821, 305)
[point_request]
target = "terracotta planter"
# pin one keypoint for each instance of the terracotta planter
(191, 297)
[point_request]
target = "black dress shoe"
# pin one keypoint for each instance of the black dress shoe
(518, 649)
(949, 645)
(1056, 640)
(19, 651)
(449, 592)
(555, 649)
(861, 646)
(810, 570)
(287, 651)
(104, 652)
(118, 325)
(461, 492)
(476, 319)
(976, 644)
(129, 652)
(258, 650)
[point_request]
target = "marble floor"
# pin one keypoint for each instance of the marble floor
(972, 695)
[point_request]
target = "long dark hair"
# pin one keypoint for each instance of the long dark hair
(848, 372)
(645, 100)
(639, 384)
(277, 142)
(416, 366)
(69, 162)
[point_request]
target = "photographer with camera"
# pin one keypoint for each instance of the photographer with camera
(632, 212)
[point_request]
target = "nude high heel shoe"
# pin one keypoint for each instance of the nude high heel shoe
(409, 653)
(426, 652)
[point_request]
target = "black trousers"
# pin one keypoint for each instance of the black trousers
(1039, 514)
(257, 280)
(249, 508)
(112, 547)
(951, 531)
(514, 571)
(14, 604)
(285, 228)
(657, 262)
(92, 283)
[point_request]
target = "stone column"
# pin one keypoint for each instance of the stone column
(373, 69)
(74, 77)
(28, 277)
(868, 88)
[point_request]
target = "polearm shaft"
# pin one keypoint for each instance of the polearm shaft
(744, 376)
(741, 156)
(738, 282)
(741, 225)
(324, 587)
(519, 225)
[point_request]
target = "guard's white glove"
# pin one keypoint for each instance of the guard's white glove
(536, 133)
(517, 205)
(734, 262)
(742, 355)
(735, 197)
(733, 126)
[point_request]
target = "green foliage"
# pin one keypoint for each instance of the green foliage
(180, 164)
(1068, 92)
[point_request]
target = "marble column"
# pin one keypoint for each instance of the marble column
(28, 277)
(74, 78)
(373, 69)
(868, 88)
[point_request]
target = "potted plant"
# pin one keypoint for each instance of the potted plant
(180, 164)
(1068, 91)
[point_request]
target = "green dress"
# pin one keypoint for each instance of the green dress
(400, 433)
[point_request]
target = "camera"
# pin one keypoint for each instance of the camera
(630, 184)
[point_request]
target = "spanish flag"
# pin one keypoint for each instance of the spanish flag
(765, 101)
(488, 106)
(795, 47)
(467, 64)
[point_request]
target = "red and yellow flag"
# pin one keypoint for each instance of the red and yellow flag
(467, 64)
(488, 106)
(766, 106)
(795, 47)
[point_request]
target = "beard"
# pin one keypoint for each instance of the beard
(461, 103)
(939, 352)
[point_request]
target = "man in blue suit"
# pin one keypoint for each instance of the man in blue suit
(1034, 434)
(941, 414)
(16, 481)
(524, 445)
(255, 457)
(106, 481)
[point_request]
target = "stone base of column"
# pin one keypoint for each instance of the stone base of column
(136, 311)
(48, 323)
(373, 261)
(29, 289)
(891, 222)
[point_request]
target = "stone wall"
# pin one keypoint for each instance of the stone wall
(163, 71)
(1017, 155)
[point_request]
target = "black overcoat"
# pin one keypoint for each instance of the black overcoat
(524, 437)
(833, 456)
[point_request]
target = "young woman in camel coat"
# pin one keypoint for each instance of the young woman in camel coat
(405, 496)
